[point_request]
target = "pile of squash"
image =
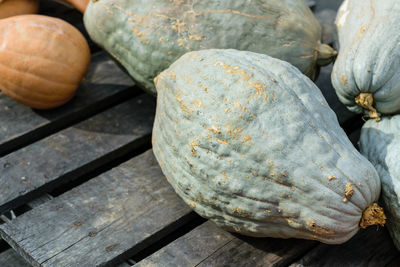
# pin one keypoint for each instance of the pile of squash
(241, 132)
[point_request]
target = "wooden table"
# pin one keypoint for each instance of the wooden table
(79, 186)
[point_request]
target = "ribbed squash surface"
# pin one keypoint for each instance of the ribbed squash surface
(249, 142)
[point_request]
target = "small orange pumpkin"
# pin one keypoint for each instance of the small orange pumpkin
(42, 60)
(78, 4)
(9, 8)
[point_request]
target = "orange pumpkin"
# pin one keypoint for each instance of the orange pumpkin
(42, 60)
(78, 4)
(9, 8)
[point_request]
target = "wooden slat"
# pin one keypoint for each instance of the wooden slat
(327, 4)
(370, 247)
(208, 245)
(190, 249)
(10, 258)
(104, 86)
(395, 262)
(39, 201)
(101, 221)
(75, 151)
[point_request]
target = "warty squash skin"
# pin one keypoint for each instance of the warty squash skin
(250, 143)
(146, 36)
(366, 74)
(380, 143)
(43, 60)
(9, 8)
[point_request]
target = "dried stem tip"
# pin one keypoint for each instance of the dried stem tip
(366, 100)
(373, 215)
(326, 54)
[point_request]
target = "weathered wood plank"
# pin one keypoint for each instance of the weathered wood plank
(101, 221)
(327, 4)
(395, 262)
(39, 201)
(10, 258)
(370, 247)
(190, 249)
(208, 245)
(105, 85)
(77, 150)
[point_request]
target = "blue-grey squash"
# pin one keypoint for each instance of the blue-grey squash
(146, 36)
(249, 142)
(380, 143)
(366, 74)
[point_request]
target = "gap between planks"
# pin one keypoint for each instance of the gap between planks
(75, 151)
(112, 216)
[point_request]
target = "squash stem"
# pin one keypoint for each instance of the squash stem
(326, 54)
(372, 215)
(366, 100)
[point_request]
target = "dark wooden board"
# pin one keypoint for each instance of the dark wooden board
(370, 247)
(75, 151)
(100, 221)
(190, 249)
(327, 4)
(395, 262)
(105, 85)
(208, 245)
(10, 258)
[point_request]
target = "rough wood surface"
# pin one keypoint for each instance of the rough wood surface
(74, 151)
(208, 245)
(10, 258)
(104, 85)
(98, 222)
(395, 262)
(190, 249)
(327, 4)
(370, 247)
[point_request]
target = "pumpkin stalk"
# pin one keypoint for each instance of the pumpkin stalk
(373, 215)
(366, 100)
(326, 54)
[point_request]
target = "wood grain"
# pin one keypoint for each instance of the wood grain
(370, 247)
(102, 221)
(208, 245)
(104, 86)
(75, 151)
(10, 258)
(327, 4)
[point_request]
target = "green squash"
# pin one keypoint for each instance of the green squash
(146, 36)
(380, 143)
(366, 74)
(249, 142)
